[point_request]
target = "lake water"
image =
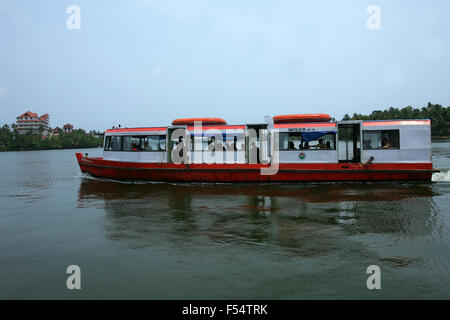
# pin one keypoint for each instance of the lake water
(218, 241)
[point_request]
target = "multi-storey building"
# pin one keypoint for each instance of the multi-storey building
(31, 121)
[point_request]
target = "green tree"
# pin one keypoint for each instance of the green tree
(439, 116)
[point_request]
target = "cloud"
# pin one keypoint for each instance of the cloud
(3, 91)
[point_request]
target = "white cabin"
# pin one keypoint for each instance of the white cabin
(387, 141)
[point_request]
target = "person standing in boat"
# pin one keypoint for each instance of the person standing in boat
(212, 144)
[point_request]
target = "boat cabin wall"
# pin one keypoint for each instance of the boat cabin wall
(409, 143)
(153, 157)
(135, 146)
(307, 143)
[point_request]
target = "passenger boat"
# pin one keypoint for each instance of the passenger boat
(285, 148)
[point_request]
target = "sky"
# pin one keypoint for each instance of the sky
(145, 63)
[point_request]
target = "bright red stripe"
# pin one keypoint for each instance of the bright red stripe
(216, 127)
(305, 125)
(135, 129)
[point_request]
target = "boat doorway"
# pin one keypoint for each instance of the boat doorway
(257, 143)
(172, 140)
(349, 141)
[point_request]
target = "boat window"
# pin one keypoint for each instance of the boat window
(151, 143)
(198, 143)
(284, 140)
(325, 142)
(133, 143)
(307, 141)
(113, 143)
(233, 142)
(108, 144)
(381, 139)
(295, 141)
(162, 143)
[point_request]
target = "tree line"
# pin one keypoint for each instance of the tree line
(11, 140)
(439, 116)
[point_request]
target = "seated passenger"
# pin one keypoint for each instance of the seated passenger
(385, 144)
(211, 143)
(306, 146)
(146, 146)
(328, 144)
(134, 147)
(321, 145)
(291, 145)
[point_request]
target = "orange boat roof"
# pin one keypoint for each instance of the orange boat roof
(295, 118)
(205, 121)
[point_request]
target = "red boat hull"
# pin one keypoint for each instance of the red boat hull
(251, 172)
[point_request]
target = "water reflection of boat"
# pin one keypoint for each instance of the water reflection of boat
(316, 193)
(285, 214)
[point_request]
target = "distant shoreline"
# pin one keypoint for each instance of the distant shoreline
(11, 140)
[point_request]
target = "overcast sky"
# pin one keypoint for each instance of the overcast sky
(144, 63)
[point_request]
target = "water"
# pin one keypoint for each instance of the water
(211, 241)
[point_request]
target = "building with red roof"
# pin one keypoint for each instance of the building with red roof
(68, 128)
(56, 131)
(31, 121)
